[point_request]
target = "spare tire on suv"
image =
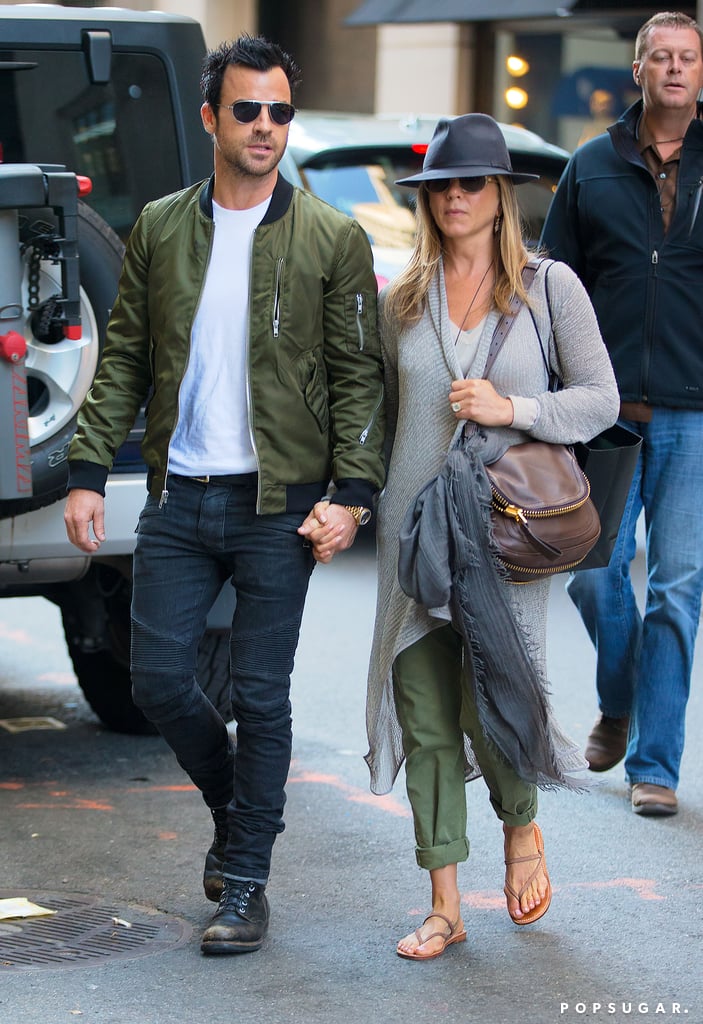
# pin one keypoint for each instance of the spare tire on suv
(60, 372)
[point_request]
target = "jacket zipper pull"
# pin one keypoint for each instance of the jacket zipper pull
(277, 298)
(655, 257)
(164, 498)
(367, 429)
(359, 325)
(696, 206)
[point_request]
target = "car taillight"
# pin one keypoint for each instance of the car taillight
(85, 185)
(419, 147)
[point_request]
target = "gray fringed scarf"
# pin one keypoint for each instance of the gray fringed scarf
(447, 556)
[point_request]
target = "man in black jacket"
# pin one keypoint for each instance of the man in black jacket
(627, 217)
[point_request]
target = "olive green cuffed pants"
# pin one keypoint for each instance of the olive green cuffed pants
(435, 705)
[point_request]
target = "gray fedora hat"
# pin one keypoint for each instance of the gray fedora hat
(466, 147)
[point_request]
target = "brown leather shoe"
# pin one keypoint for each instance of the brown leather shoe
(652, 800)
(607, 743)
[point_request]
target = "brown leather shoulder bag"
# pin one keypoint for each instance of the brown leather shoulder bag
(544, 521)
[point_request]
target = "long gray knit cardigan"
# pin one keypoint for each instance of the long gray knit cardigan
(420, 364)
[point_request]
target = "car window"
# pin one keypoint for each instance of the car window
(53, 113)
(361, 183)
(343, 187)
(366, 192)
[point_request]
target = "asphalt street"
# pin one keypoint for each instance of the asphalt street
(91, 817)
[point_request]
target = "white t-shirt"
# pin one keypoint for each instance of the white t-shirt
(212, 435)
(525, 410)
(466, 344)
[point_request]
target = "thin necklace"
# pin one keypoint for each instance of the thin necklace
(663, 142)
(475, 295)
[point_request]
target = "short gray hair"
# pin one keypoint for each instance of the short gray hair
(665, 19)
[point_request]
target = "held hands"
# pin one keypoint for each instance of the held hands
(329, 528)
(84, 507)
(478, 400)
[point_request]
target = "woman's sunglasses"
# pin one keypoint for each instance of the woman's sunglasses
(246, 111)
(437, 185)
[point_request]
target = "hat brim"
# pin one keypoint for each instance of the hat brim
(465, 172)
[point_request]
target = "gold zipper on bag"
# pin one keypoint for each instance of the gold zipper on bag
(539, 572)
(521, 514)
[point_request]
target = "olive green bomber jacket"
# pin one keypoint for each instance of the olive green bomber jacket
(314, 388)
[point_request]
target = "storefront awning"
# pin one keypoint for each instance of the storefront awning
(398, 12)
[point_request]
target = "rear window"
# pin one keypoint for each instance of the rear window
(52, 113)
(361, 183)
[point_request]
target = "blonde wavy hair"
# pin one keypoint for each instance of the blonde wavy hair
(406, 296)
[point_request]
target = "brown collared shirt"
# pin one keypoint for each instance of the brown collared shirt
(664, 172)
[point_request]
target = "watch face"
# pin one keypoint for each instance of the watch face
(364, 517)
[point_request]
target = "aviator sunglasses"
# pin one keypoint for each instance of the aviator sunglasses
(477, 184)
(246, 111)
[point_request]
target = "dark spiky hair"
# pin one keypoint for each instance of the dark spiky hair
(249, 52)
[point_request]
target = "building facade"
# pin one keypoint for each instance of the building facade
(561, 68)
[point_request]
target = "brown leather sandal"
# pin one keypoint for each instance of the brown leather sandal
(541, 909)
(454, 936)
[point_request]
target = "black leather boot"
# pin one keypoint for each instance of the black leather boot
(240, 921)
(212, 875)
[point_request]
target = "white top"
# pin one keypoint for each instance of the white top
(212, 435)
(525, 410)
(466, 344)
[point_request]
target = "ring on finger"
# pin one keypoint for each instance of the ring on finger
(456, 406)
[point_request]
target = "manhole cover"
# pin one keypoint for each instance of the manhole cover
(84, 930)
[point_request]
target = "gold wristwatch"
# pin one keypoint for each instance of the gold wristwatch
(361, 515)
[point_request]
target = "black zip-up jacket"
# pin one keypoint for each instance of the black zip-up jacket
(646, 286)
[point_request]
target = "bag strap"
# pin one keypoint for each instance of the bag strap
(553, 381)
(502, 328)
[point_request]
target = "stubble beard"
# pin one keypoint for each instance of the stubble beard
(243, 164)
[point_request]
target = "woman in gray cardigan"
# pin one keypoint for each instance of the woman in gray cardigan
(437, 321)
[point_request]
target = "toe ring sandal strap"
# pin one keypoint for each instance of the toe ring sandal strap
(519, 860)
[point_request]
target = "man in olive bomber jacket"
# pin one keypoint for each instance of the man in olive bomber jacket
(246, 315)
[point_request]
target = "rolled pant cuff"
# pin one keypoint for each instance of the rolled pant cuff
(513, 820)
(432, 857)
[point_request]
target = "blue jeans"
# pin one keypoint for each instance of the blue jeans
(644, 663)
(203, 535)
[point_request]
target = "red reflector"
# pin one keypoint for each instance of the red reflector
(419, 147)
(13, 347)
(85, 185)
(73, 332)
